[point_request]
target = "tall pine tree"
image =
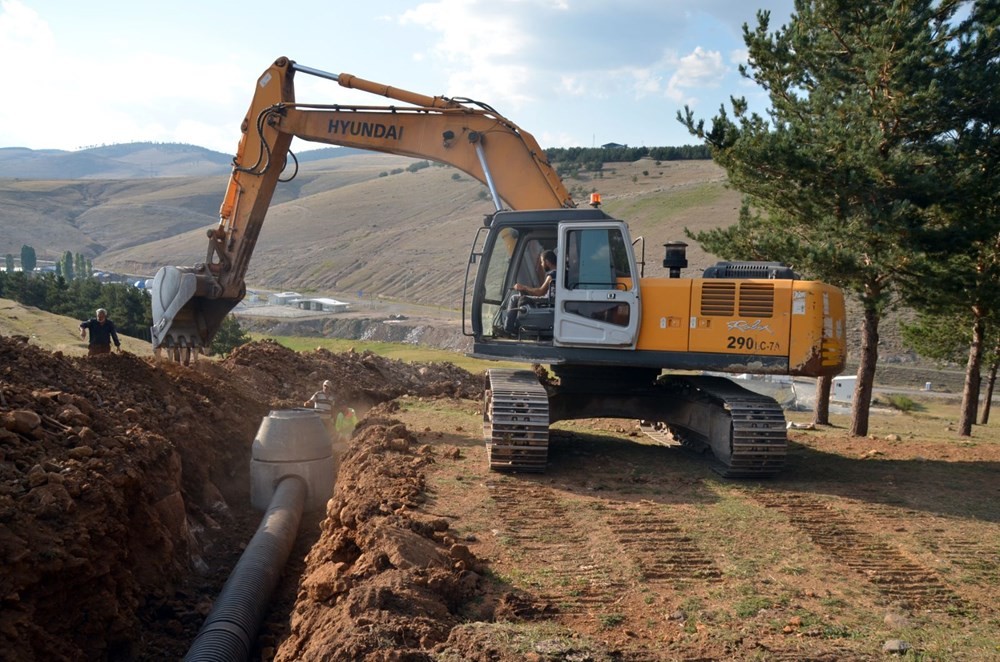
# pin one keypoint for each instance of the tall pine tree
(844, 166)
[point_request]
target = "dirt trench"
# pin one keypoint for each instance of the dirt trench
(124, 485)
(124, 503)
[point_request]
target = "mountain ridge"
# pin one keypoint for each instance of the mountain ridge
(136, 160)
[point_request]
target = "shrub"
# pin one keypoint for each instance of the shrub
(902, 402)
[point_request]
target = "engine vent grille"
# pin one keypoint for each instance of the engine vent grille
(723, 299)
(718, 299)
(756, 300)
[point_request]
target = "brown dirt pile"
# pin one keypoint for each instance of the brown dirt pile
(387, 579)
(120, 476)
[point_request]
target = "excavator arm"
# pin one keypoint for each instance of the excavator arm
(189, 303)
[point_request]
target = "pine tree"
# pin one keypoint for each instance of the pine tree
(28, 259)
(845, 165)
(67, 265)
(961, 274)
(9, 259)
(230, 336)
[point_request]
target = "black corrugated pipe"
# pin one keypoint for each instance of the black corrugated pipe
(230, 629)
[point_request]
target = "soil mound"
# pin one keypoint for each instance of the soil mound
(121, 479)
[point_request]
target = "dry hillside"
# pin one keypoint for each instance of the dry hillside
(341, 225)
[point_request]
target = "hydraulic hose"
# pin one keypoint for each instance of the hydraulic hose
(230, 629)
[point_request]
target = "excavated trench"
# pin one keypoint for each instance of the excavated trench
(125, 490)
(125, 504)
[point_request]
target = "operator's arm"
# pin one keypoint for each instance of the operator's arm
(539, 291)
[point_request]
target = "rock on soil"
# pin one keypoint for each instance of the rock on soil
(122, 478)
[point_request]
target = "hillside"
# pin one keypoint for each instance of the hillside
(331, 229)
(131, 161)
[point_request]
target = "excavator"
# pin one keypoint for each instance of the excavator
(606, 330)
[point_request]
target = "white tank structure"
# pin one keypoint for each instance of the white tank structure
(292, 442)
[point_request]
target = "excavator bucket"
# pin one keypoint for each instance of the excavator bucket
(185, 315)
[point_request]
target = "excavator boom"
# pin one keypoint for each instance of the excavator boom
(189, 303)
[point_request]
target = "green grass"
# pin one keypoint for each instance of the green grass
(900, 402)
(666, 205)
(611, 620)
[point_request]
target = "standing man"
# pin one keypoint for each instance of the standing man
(323, 401)
(102, 332)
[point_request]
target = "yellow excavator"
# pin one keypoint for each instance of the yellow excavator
(606, 331)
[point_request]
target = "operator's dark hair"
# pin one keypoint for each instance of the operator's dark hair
(550, 256)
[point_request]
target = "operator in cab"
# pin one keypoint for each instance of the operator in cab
(546, 289)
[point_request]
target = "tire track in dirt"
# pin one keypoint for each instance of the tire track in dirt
(572, 579)
(658, 545)
(977, 559)
(598, 557)
(897, 577)
(650, 548)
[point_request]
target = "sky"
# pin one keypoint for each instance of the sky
(570, 72)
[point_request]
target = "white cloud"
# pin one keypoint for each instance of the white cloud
(75, 99)
(475, 48)
(22, 32)
(88, 73)
(572, 85)
(468, 34)
(699, 69)
(646, 82)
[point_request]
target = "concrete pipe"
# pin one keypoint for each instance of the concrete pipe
(292, 442)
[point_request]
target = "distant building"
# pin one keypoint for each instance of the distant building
(283, 298)
(612, 146)
(323, 304)
(843, 389)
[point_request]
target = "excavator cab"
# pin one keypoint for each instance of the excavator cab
(595, 301)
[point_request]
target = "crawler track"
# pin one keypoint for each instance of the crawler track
(516, 421)
(744, 430)
(897, 577)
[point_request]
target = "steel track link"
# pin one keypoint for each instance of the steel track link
(756, 443)
(516, 421)
(759, 442)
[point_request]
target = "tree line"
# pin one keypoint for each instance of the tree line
(128, 307)
(72, 291)
(876, 168)
(570, 160)
(70, 266)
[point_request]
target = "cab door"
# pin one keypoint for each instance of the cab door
(597, 286)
